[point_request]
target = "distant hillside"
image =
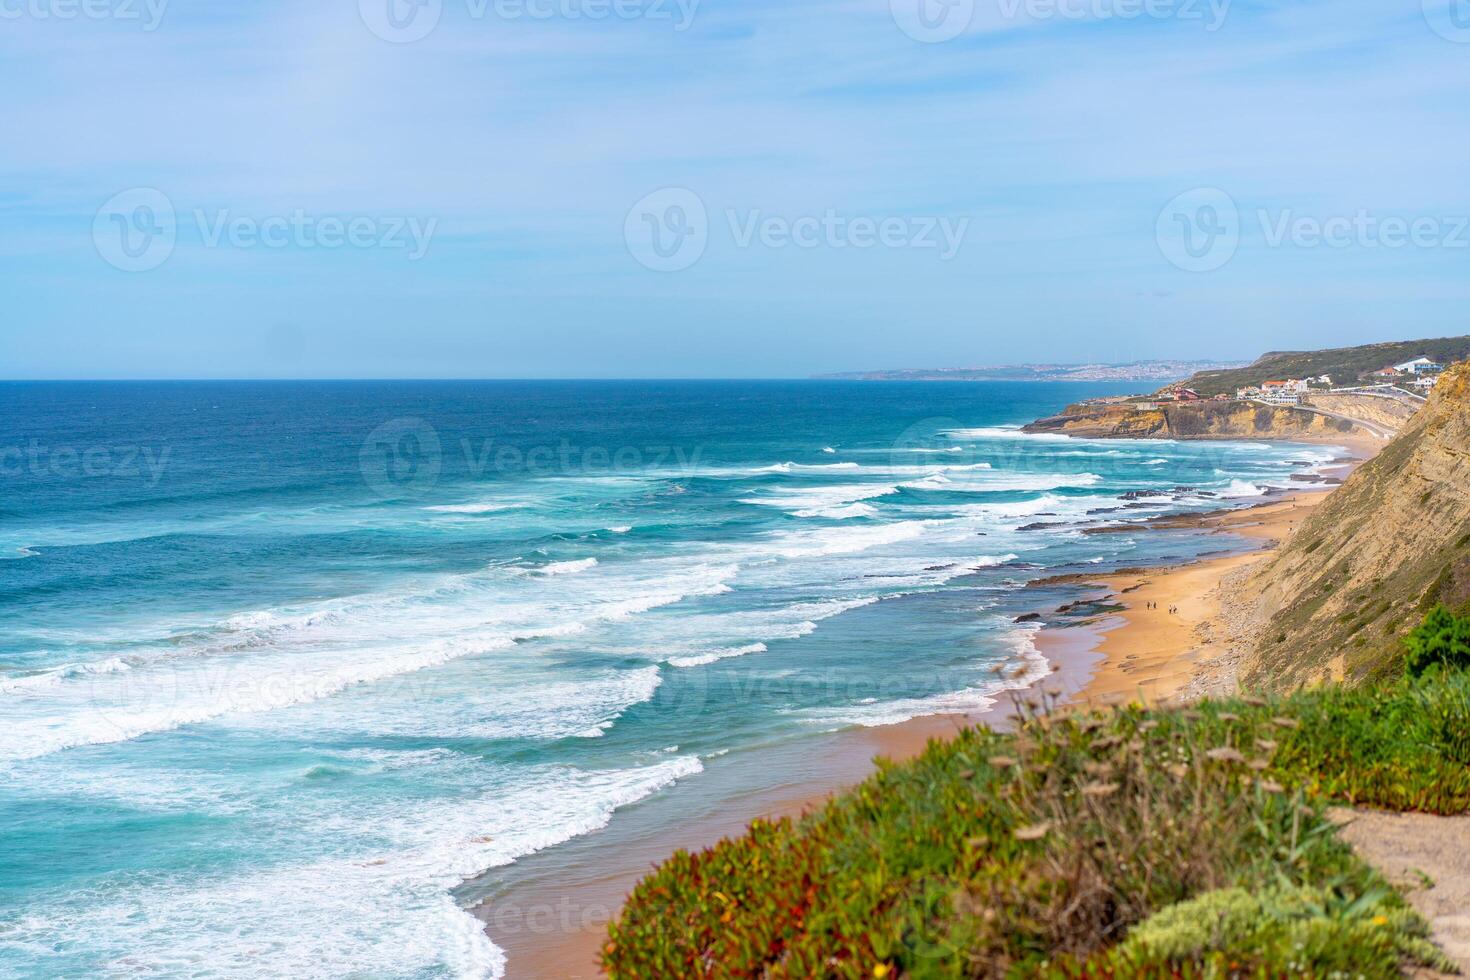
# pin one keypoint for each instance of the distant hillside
(1134, 371)
(1376, 555)
(1344, 364)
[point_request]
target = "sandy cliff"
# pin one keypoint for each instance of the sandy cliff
(1194, 420)
(1335, 600)
(1390, 412)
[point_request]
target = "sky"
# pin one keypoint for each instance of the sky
(722, 188)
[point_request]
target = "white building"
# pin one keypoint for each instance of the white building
(1282, 392)
(1419, 365)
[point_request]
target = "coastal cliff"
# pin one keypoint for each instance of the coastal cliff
(1335, 600)
(997, 853)
(1193, 420)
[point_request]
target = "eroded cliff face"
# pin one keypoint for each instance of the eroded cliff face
(1194, 420)
(1389, 412)
(1335, 600)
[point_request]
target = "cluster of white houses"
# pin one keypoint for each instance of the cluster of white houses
(1421, 373)
(1288, 392)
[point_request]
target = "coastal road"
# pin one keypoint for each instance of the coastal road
(1377, 429)
(1392, 392)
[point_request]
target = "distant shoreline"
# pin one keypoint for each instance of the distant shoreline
(1142, 372)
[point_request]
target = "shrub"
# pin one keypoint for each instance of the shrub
(1442, 640)
(1316, 930)
(1041, 852)
(1443, 711)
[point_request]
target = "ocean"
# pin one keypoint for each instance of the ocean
(282, 664)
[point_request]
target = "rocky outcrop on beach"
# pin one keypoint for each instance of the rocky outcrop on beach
(1193, 420)
(1335, 600)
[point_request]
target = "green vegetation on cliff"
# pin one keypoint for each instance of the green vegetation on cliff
(1344, 364)
(1132, 843)
(1442, 640)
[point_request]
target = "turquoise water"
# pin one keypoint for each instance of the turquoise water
(282, 664)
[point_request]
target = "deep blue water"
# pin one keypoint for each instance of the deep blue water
(282, 663)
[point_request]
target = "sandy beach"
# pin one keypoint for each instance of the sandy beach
(1142, 651)
(1164, 638)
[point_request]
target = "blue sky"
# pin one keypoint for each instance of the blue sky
(496, 175)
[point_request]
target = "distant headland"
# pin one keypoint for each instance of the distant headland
(1134, 371)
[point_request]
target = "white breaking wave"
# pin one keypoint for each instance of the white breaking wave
(1003, 482)
(696, 639)
(59, 675)
(973, 699)
(514, 696)
(700, 660)
(891, 471)
(810, 498)
(379, 905)
(272, 660)
(963, 467)
(485, 508)
(1005, 432)
(567, 567)
(1026, 508)
(834, 501)
(838, 513)
(841, 540)
(1242, 488)
(1104, 446)
(191, 694)
(789, 467)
